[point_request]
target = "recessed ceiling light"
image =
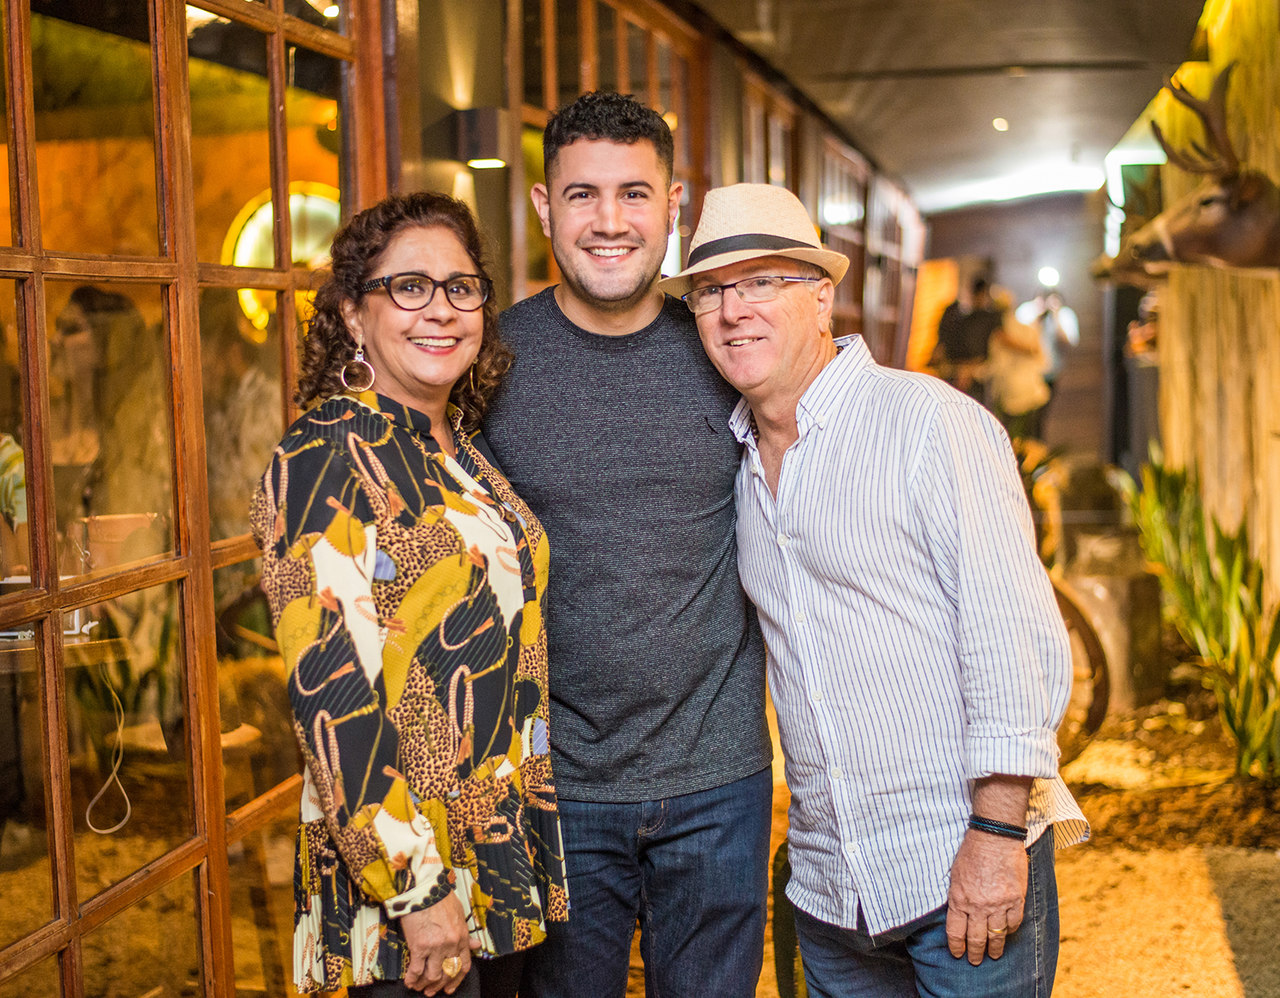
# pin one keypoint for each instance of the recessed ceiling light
(999, 124)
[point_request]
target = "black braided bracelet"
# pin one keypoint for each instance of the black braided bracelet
(993, 827)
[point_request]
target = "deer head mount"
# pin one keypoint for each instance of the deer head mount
(1232, 219)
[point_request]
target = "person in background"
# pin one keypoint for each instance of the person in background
(964, 334)
(111, 437)
(918, 662)
(1016, 387)
(1059, 328)
(406, 580)
(614, 426)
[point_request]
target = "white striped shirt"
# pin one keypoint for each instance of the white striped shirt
(914, 641)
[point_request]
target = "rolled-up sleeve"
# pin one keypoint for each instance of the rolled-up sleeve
(1014, 652)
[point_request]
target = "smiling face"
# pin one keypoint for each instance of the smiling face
(418, 357)
(769, 350)
(608, 208)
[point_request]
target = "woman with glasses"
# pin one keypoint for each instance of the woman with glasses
(405, 580)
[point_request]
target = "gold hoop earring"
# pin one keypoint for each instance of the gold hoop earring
(471, 377)
(367, 371)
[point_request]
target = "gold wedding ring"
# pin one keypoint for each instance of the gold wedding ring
(997, 932)
(451, 965)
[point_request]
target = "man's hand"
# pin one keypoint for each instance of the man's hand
(433, 935)
(987, 895)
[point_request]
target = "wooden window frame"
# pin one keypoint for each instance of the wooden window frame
(849, 238)
(180, 276)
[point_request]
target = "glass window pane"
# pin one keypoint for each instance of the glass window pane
(230, 108)
(534, 92)
(243, 400)
(259, 748)
(678, 112)
(40, 981)
(753, 165)
(638, 63)
(131, 797)
(316, 129)
(24, 848)
(606, 47)
(149, 948)
(111, 425)
(15, 530)
(568, 45)
(779, 151)
(662, 53)
(95, 129)
(261, 866)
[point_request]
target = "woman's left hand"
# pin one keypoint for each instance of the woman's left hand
(433, 935)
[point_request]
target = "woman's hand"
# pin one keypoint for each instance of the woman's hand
(433, 935)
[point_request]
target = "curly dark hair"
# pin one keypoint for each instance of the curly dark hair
(328, 347)
(613, 117)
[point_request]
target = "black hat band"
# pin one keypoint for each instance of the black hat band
(746, 241)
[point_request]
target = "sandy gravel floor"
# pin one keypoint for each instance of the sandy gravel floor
(1197, 922)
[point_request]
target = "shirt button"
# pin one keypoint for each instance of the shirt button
(837, 773)
(782, 540)
(817, 696)
(800, 617)
(851, 847)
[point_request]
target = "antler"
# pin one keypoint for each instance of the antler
(1222, 161)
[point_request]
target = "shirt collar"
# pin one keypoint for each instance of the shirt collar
(399, 413)
(821, 397)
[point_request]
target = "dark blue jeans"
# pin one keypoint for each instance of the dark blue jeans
(692, 869)
(913, 960)
(498, 977)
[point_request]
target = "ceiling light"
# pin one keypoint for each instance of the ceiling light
(999, 124)
(331, 11)
(1048, 276)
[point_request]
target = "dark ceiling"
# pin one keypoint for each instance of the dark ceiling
(916, 84)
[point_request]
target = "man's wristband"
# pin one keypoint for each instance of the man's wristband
(993, 827)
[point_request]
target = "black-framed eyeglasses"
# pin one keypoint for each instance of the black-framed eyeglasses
(412, 292)
(750, 289)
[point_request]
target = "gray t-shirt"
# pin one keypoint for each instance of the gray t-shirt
(621, 446)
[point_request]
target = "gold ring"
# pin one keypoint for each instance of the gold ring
(997, 932)
(451, 965)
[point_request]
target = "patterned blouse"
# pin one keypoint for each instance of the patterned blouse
(406, 591)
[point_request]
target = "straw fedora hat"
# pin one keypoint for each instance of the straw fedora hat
(747, 221)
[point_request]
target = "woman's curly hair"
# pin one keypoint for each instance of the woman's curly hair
(328, 346)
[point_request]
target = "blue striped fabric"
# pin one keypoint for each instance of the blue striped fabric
(914, 641)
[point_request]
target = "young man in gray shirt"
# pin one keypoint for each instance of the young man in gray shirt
(613, 426)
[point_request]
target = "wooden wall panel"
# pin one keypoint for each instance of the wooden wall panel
(1220, 329)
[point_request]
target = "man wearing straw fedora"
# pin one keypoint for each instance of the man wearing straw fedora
(614, 427)
(918, 663)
